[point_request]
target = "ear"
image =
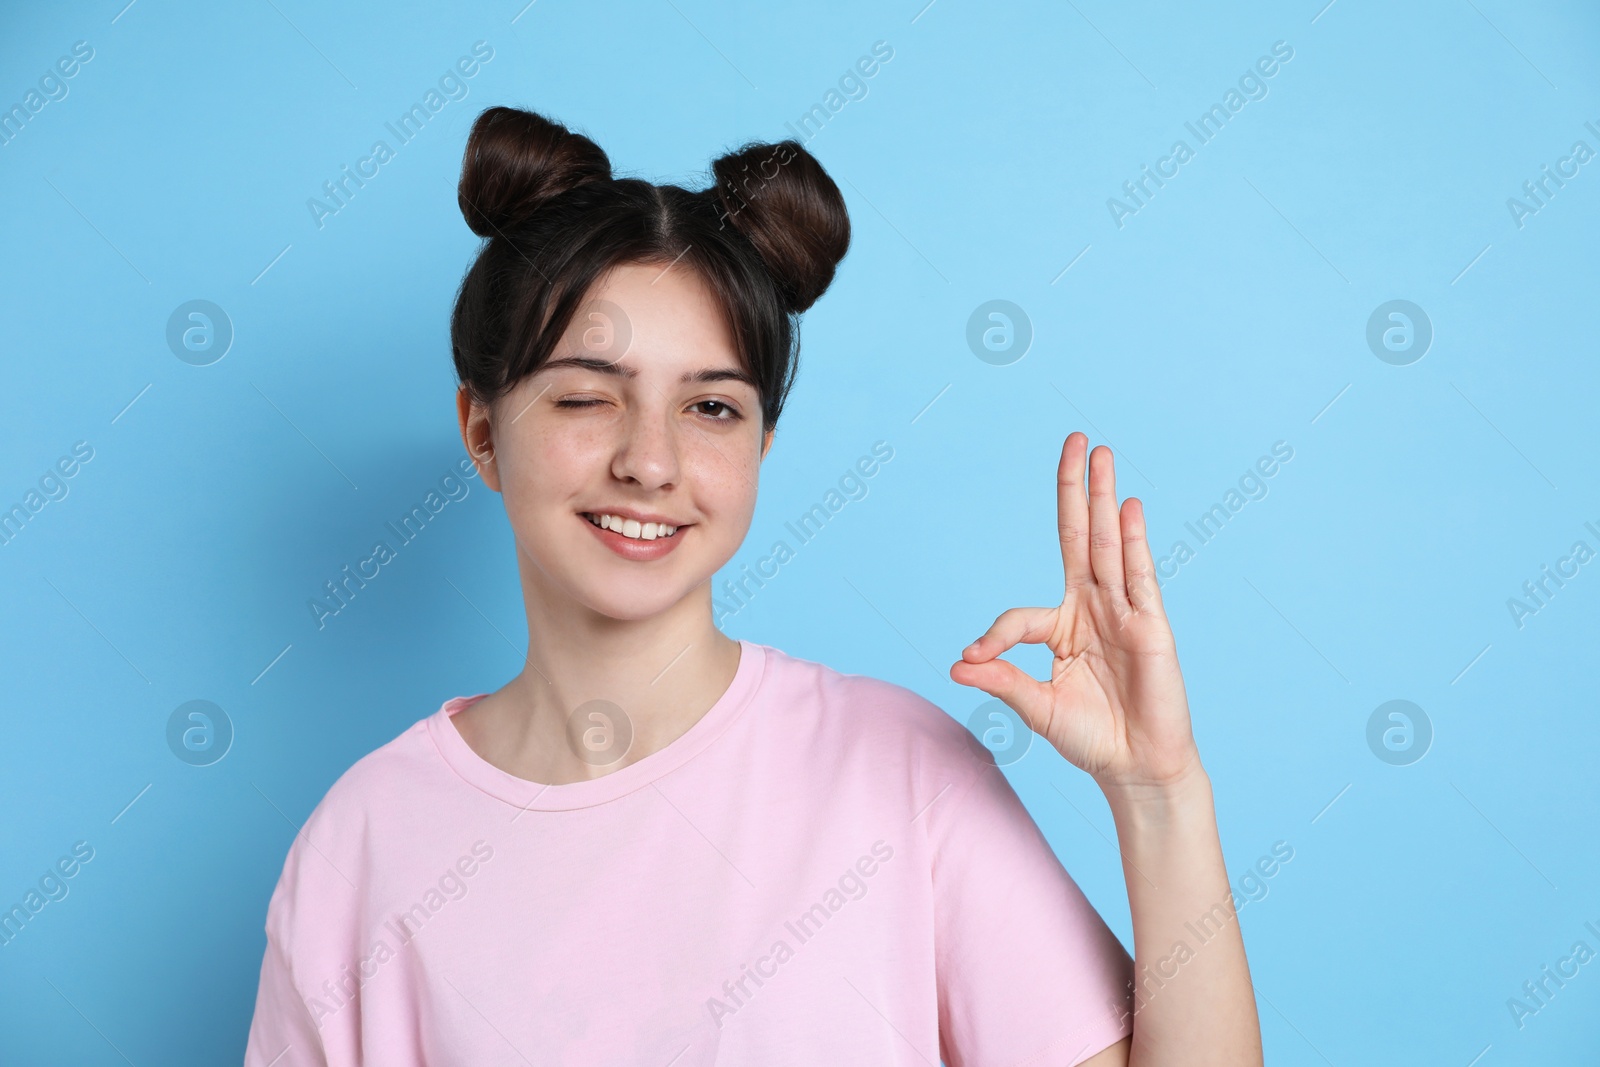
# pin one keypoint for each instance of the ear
(766, 443)
(477, 435)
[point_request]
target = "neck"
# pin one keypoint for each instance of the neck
(650, 678)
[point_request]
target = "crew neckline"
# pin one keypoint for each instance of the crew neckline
(539, 796)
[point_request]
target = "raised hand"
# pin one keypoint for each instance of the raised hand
(1114, 704)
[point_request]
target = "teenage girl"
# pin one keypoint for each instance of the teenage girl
(657, 845)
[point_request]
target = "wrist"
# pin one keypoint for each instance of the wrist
(1171, 801)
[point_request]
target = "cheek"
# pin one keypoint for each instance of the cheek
(722, 475)
(547, 465)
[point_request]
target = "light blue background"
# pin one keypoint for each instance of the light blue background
(1229, 313)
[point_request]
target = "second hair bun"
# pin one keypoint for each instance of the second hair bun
(779, 197)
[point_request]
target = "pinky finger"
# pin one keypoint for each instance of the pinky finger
(1143, 591)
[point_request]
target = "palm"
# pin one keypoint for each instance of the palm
(1114, 704)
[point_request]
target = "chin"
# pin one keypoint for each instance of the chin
(631, 605)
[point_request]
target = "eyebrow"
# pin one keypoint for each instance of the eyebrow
(622, 370)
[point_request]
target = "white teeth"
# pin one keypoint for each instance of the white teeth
(646, 531)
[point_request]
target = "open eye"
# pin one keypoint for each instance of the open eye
(731, 414)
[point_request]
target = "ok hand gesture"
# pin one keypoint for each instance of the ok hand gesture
(1114, 704)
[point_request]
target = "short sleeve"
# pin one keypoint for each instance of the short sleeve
(283, 1032)
(308, 1010)
(1028, 972)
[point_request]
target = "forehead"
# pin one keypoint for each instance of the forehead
(655, 319)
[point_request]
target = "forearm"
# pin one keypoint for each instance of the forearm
(1192, 999)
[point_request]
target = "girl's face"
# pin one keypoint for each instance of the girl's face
(643, 412)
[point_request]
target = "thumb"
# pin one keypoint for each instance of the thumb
(1024, 694)
(980, 665)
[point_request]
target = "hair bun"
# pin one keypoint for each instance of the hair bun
(516, 160)
(779, 197)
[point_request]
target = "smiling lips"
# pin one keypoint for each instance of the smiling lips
(629, 527)
(632, 539)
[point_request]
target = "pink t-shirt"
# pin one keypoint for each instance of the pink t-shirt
(825, 868)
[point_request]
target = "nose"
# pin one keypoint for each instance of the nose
(648, 452)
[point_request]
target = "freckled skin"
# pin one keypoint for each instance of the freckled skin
(651, 443)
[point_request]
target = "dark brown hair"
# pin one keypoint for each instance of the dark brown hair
(765, 236)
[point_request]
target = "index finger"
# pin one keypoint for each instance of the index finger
(1072, 509)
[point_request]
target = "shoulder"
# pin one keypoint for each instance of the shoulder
(328, 856)
(875, 716)
(375, 783)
